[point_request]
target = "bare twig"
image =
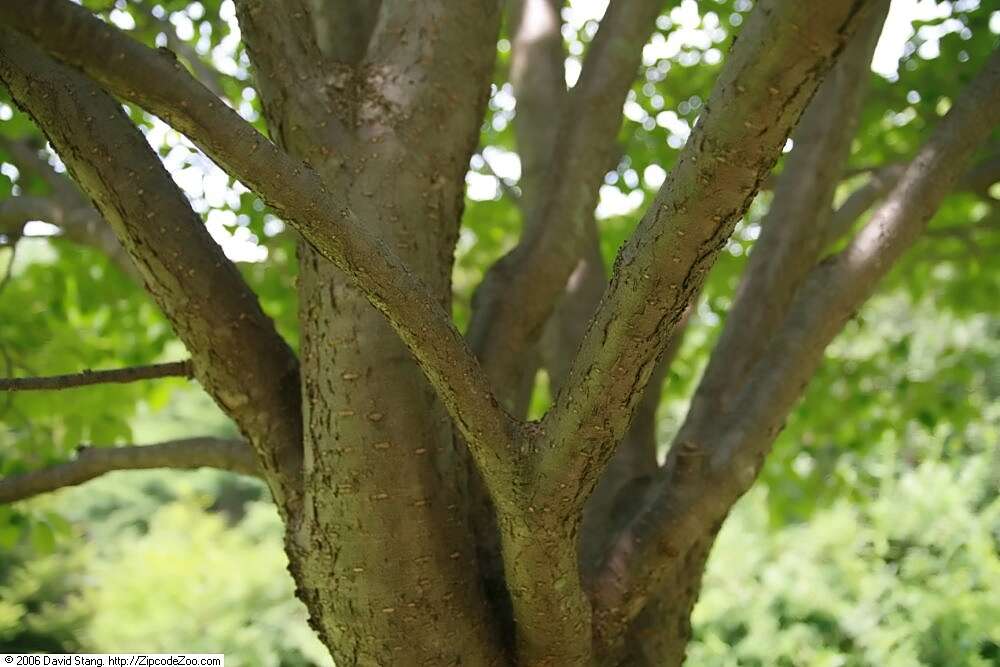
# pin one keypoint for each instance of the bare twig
(9, 271)
(90, 462)
(89, 377)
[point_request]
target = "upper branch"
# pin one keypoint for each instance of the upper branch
(208, 75)
(344, 27)
(26, 156)
(427, 54)
(281, 43)
(287, 67)
(981, 178)
(538, 77)
(519, 292)
(842, 220)
(16, 212)
(65, 208)
(91, 462)
(793, 233)
(691, 504)
(978, 180)
(295, 191)
(88, 377)
(237, 355)
(782, 53)
(81, 224)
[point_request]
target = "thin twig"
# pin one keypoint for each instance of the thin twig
(9, 271)
(8, 369)
(88, 377)
(90, 462)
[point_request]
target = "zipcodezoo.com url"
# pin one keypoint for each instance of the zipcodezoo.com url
(112, 659)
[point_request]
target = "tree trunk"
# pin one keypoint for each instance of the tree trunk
(382, 552)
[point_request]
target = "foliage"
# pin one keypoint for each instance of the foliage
(150, 567)
(37, 610)
(907, 579)
(247, 612)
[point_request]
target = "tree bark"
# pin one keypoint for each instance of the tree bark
(382, 553)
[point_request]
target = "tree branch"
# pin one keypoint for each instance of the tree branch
(517, 295)
(89, 377)
(210, 77)
(79, 222)
(977, 180)
(26, 156)
(792, 234)
(982, 178)
(297, 193)
(788, 248)
(288, 66)
(344, 27)
(282, 44)
(538, 77)
(858, 202)
(236, 353)
(16, 212)
(232, 455)
(540, 557)
(414, 70)
(506, 188)
(622, 490)
(783, 52)
(693, 502)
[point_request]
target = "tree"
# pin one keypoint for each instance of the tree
(428, 520)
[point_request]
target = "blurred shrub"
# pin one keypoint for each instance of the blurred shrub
(38, 611)
(908, 578)
(911, 578)
(158, 561)
(192, 584)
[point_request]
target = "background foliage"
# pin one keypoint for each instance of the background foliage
(872, 539)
